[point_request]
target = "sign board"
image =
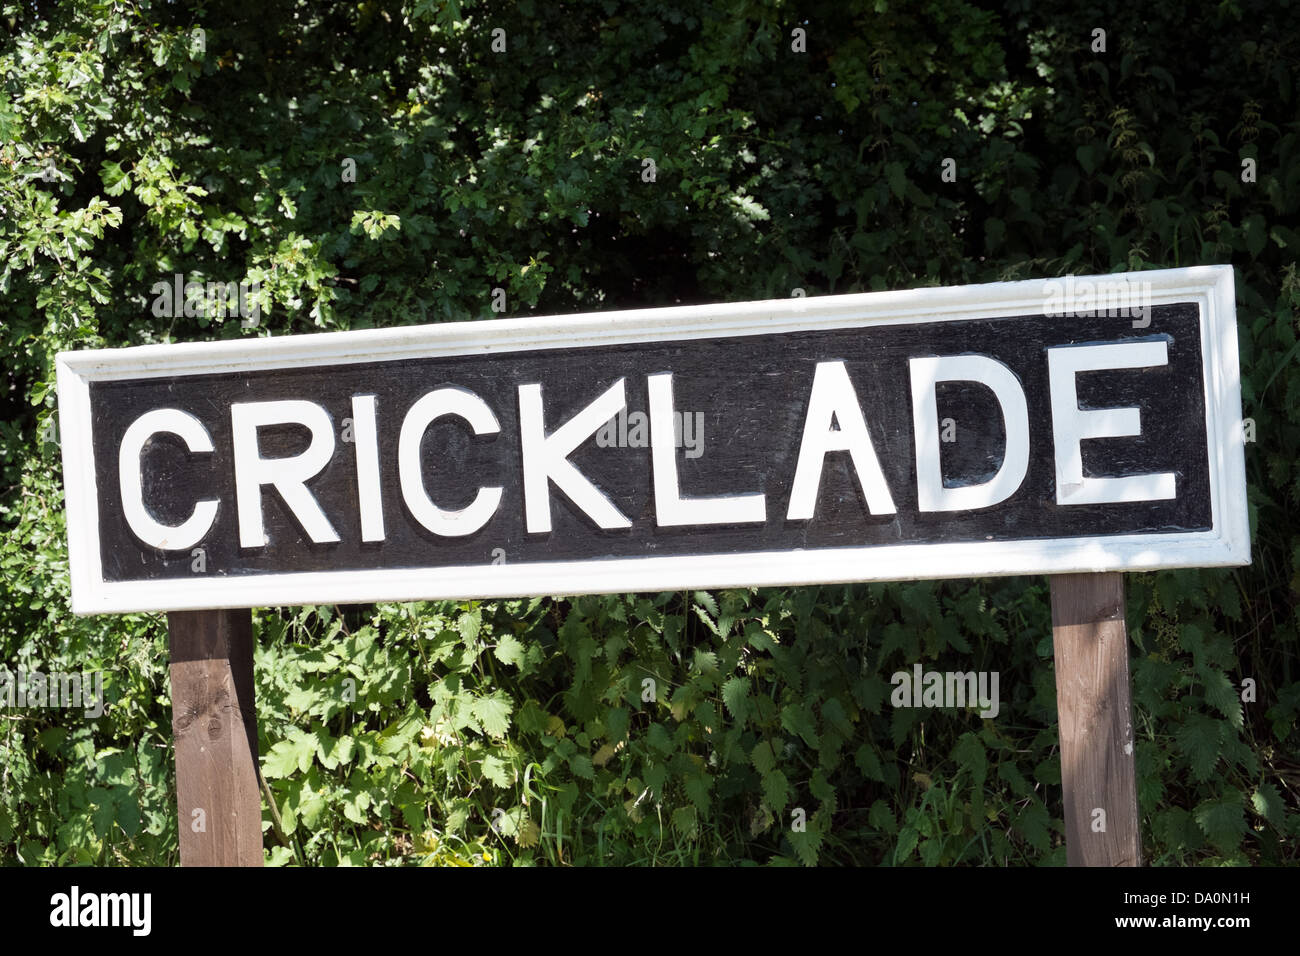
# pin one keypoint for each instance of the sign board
(1046, 426)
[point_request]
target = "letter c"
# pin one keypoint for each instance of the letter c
(463, 404)
(151, 532)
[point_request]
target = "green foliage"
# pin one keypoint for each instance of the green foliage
(133, 148)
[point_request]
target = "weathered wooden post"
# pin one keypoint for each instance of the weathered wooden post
(214, 722)
(1098, 769)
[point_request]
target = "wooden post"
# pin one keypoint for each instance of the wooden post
(214, 721)
(1098, 771)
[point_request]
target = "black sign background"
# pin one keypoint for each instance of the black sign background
(753, 393)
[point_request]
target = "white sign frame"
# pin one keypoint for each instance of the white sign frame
(1227, 543)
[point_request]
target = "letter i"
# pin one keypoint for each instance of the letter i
(369, 495)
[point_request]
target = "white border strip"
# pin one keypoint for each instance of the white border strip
(1226, 543)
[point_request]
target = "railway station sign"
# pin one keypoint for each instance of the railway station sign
(1045, 426)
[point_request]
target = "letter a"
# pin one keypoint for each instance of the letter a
(833, 401)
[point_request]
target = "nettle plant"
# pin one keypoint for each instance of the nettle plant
(680, 728)
(738, 726)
